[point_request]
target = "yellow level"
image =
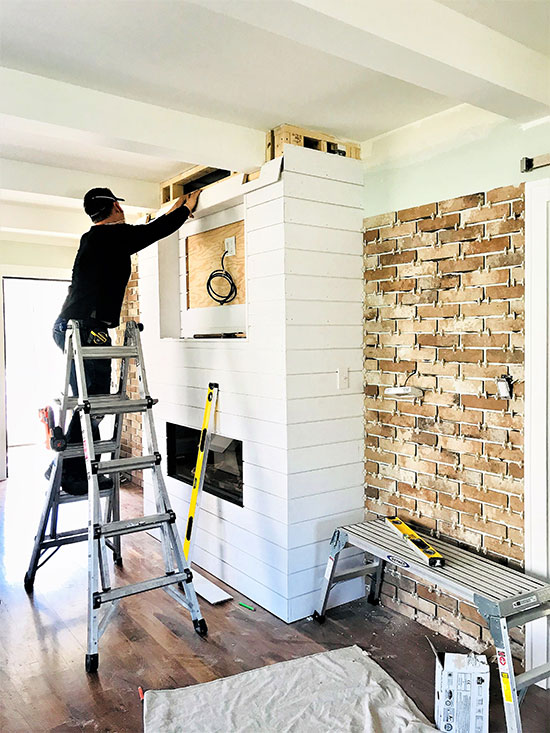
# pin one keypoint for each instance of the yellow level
(200, 467)
(423, 549)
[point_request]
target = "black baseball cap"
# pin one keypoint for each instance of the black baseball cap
(98, 201)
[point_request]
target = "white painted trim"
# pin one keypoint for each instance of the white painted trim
(25, 271)
(537, 415)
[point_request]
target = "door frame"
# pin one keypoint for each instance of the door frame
(537, 406)
(29, 272)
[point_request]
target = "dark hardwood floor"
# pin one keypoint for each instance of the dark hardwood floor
(151, 641)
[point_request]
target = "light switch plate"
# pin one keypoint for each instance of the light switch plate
(342, 377)
(230, 246)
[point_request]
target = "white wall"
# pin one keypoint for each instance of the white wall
(302, 437)
(457, 152)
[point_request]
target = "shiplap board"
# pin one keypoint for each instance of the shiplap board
(265, 215)
(323, 337)
(324, 432)
(313, 313)
(323, 408)
(309, 361)
(323, 480)
(322, 264)
(312, 163)
(267, 239)
(323, 190)
(303, 386)
(306, 533)
(309, 287)
(317, 239)
(329, 455)
(318, 214)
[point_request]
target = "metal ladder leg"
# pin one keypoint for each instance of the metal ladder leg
(51, 493)
(337, 543)
(376, 583)
(499, 631)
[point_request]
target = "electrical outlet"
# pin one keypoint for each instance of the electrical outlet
(230, 246)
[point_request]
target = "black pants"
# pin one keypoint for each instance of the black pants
(98, 381)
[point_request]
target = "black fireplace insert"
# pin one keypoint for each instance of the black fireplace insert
(224, 470)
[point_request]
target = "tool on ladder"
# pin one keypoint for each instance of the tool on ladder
(105, 527)
(424, 550)
(200, 466)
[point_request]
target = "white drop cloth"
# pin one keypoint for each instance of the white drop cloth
(339, 691)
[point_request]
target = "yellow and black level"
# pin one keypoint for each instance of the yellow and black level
(422, 548)
(200, 467)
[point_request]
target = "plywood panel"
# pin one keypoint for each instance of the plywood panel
(203, 255)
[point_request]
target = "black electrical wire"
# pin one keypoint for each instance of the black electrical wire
(224, 275)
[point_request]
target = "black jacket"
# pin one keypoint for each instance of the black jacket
(102, 266)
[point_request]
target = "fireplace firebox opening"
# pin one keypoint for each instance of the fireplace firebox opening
(224, 470)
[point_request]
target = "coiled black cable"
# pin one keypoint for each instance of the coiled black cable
(224, 275)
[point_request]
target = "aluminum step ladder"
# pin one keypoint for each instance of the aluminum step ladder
(505, 597)
(105, 527)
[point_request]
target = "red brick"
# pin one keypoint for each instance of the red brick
(506, 193)
(417, 212)
(460, 203)
(443, 222)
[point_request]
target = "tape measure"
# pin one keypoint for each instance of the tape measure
(422, 548)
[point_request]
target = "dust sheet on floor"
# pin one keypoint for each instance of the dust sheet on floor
(340, 690)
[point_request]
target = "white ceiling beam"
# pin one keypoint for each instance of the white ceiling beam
(421, 42)
(49, 221)
(62, 187)
(55, 108)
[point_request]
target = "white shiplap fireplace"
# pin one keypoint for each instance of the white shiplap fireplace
(291, 391)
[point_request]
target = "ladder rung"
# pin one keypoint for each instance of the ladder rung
(109, 352)
(65, 538)
(65, 498)
(533, 675)
(524, 617)
(152, 584)
(139, 524)
(354, 573)
(137, 463)
(100, 446)
(111, 404)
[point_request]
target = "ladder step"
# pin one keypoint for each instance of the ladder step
(110, 404)
(137, 463)
(355, 572)
(109, 352)
(139, 524)
(131, 590)
(65, 498)
(532, 676)
(100, 446)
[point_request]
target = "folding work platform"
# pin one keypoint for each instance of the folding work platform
(505, 597)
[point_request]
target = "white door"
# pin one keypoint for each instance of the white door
(537, 405)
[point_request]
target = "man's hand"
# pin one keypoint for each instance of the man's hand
(191, 201)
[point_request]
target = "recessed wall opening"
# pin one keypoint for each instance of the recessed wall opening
(224, 471)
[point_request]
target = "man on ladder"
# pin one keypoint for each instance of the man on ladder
(100, 275)
(101, 272)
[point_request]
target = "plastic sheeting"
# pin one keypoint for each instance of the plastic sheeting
(342, 690)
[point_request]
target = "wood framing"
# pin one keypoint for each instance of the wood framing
(200, 176)
(292, 135)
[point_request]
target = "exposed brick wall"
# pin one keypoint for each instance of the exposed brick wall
(445, 297)
(131, 427)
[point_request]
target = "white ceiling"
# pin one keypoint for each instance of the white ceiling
(525, 21)
(29, 147)
(179, 55)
